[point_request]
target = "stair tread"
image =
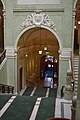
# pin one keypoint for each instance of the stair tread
(76, 81)
(76, 71)
(76, 65)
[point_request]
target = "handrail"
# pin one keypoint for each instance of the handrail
(2, 56)
(72, 68)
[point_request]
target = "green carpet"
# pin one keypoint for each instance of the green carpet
(3, 100)
(22, 106)
(40, 92)
(52, 92)
(28, 91)
(20, 109)
(46, 109)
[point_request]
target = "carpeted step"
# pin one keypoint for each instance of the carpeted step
(53, 92)
(40, 92)
(3, 100)
(46, 109)
(28, 91)
(20, 109)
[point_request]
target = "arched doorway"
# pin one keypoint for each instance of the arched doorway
(49, 71)
(1, 28)
(29, 45)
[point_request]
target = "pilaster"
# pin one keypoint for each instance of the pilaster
(64, 65)
(11, 56)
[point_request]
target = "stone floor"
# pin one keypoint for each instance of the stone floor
(63, 108)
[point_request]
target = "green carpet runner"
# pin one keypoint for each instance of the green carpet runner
(46, 109)
(20, 109)
(28, 91)
(40, 92)
(3, 100)
(52, 92)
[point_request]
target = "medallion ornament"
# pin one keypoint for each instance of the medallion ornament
(38, 18)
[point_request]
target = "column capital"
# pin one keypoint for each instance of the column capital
(65, 54)
(10, 52)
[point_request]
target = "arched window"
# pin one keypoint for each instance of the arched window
(1, 28)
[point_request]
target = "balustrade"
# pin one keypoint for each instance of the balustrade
(6, 88)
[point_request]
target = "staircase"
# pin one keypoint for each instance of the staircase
(75, 65)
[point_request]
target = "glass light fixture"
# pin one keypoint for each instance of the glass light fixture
(79, 22)
(40, 52)
(47, 52)
(45, 48)
(74, 27)
(0, 17)
(26, 55)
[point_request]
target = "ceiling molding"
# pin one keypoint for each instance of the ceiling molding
(44, 10)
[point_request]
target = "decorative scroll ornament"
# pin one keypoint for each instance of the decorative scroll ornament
(38, 18)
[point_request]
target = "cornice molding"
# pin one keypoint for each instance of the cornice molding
(15, 10)
(10, 52)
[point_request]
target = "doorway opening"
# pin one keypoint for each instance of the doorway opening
(21, 69)
(36, 67)
(49, 71)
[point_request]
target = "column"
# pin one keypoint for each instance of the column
(64, 58)
(16, 85)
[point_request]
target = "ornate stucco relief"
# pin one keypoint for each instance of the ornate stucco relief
(38, 18)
